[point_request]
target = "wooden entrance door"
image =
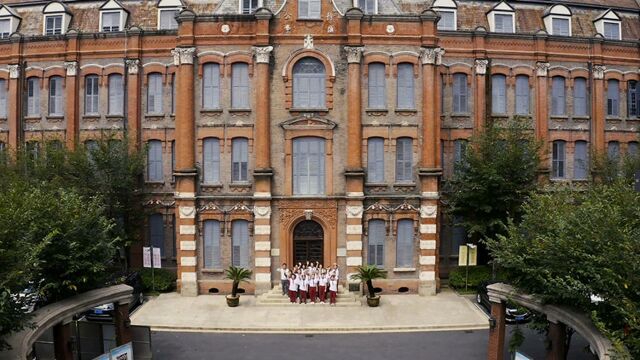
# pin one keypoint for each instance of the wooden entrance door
(308, 242)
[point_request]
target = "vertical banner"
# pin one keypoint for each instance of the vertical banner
(146, 257)
(157, 260)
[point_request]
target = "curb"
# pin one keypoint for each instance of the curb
(333, 330)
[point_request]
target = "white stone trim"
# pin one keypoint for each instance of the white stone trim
(427, 260)
(262, 212)
(354, 212)
(263, 262)
(184, 195)
(355, 194)
(263, 245)
(263, 277)
(354, 245)
(342, 252)
(262, 229)
(188, 261)
(187, 212)
(187, 229)
(354, 261)
(428, 228)
(189, 277)
(431, 195)
(354, 229)
(187, 245)
(427, 244)
(404, 269)
(427, 275)
(275, 252)
(428, 211)
(262, 195)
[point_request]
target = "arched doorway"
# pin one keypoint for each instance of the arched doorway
(308, 242)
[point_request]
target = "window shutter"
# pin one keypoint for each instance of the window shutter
(239, 149)
(211, 161)
(377, 234)
(303, 8)
(404, 243)
(212, 244)
(558, 159)
(522, 95)
(560, 27)
(3, 99)
(459, 93)
(580, 160)
(404, 159)
(116, 95)
(240, 241)
(499, 94)
(375, 160)
(314, 9)
(308, 166)
(558, 96)
(154, 162)
(156, 232)
(580, 97)
(240, 86)
(633, 98)
(613, 150)
(376, 86)
(211, 86)
(632, 148)
(405, 93)
(613, 98)
(309, 84)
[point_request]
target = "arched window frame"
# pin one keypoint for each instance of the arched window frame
(287, 77)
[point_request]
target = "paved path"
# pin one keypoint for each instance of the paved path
(209, 313)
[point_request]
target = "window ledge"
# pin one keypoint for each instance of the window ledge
(32, 118)
(211, 185)
(114, 116)
(404, 269)
(239, 110)
(3, 118)
(148, 182)
(411, 184)
(560, 180)
(154, 116)
(375, 184)
(212, 271)
(310, 19)
(55, 117)
(460, 114)
(500, 115)
(528, 116)
(583, 181)
(581, 118)
(559, 117)
(376, 110)
(613, 118)
(243, 184)
(411, 111)
(309, 110)
(211, 111)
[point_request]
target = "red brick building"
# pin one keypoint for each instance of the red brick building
(279, 131)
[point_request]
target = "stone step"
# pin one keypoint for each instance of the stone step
(338, 303)
(274, 297)
(279, 295)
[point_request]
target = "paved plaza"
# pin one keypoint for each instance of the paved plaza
(397, 313)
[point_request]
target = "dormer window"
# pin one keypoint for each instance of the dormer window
(608, 24)
(557, 20)
(56, 19)
(368, 7)
(9, 21)
(502, 18)
(447, 9)
(249, 6)
(113, 16)
(168, 10)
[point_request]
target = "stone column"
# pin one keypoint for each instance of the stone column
(496, 334)
(598, 110)
(185, 173)
(557, 337)
(479, 99)
(122, 324)
(430, 171)
(71, 103)
(62, 341)
(14, 107)
(354, 172)
(263, 171)
(133, 101)
(542, 113)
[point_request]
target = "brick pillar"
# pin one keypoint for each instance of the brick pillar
(62, 341)
(598, 110)
(542, 113)
(185, 173)
(14, 110)
(134, 102)
(480, 103)
(430, 171)
(122, 324)
(354, 172)
(263, 171)
(71, 103)
(496, 334)
(557, 337)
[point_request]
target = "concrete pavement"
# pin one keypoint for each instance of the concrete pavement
(397, 313)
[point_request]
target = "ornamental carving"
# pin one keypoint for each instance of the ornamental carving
(598, 71)
(72, 68)
(354, 211)
(481, 66)
(405, 206)
(354, 53)
(377, 207)
(262, 211)
(432, 56)
(240, 207)
(308, 42)
(262, 53)
(293, 210)
(209, 207)
(542, 68)
(428, 211)
(133, 66)
(14, 71)
(183, 55)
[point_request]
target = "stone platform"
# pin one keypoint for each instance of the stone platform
(274, 297)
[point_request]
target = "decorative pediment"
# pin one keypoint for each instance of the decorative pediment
(308, 122)
(209, 207)
(405, 206)
(240, 207)
(377, 207)
(159, 203)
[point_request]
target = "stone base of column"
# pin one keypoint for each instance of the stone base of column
(427, 288)
(188, 287)
(262, 287)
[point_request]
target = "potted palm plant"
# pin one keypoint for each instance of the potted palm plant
(237, 274)
(367, 274)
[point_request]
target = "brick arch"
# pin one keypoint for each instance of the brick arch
(460, 68)
(559, 71)
(4, 74)
(329, 241)
(88, 70)
(211, 59)
(406, 57)
(151, 68)
(34, 72)
(377, 57)
(614, 75)
(287, 75)
(235, 57)
(522, 70)
(113, 69)
(55, 71)
(405, 216)
(630, 76)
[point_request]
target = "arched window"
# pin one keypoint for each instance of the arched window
(308, 84)
(116, 94)
(377, 92)
(376, 236)
(499, 94)
(240, 243)
(405, 94)
(581, 160)
(558, 160)
(460, 93)
(3, 99)
(580, 97)
(154, 161)
(522, 95)
(404, 160)
(633, 98)
(211, 161)
(404, 243)
(55, 96)
(154, 93)
(558, 96)
(375, 160)
(211, 255)
(239, 160)
(91, 95)
(613, 97)
(211, 86)
(308, 166)
(33, 96)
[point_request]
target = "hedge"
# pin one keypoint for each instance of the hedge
(165, 280)
(477, 274)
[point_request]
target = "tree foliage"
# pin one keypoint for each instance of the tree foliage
(496, 175)
(571, 245)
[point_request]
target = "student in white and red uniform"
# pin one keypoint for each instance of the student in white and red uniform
(303, 286)
(313, 287)
(333, 289)
(322, 285)
(293, 288)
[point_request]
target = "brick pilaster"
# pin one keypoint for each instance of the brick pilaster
(496, 334)
(14, 106)
(598, 110)
(542, 111)
(133, 101)
(480, 90)
(71, 103)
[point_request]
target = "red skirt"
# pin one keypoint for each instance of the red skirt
(292, 296)
(332, 295)
(312, 293)
(303, 296)
(323, 292)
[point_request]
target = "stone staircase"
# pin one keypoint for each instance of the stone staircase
(274, 297)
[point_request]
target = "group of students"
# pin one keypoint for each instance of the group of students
(309, 281)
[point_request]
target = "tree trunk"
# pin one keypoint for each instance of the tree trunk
(372, 292)
(234, 288)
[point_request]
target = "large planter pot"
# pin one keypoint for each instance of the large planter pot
(233, 301)
(373, 301)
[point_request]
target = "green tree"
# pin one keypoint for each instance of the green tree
(496, 175)
(571, 245)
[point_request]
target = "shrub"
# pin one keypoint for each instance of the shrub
(165, 280)
(477, 274)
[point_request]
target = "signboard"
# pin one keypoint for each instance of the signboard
(147, 260)
(462, 256)
(102, 357)
(122, 352)
(521, 356)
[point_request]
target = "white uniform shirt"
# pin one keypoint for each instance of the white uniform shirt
(304, 285)
(293, 285)
(323, 280)
(333, 285)
(284, 274)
